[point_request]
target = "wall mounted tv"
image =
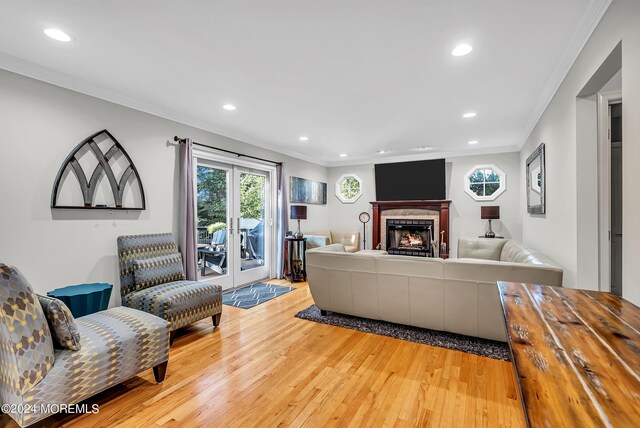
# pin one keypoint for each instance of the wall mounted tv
(418, 180)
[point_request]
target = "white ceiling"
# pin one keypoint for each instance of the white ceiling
(354, 76)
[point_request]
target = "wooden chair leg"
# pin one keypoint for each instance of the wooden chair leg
(159, 371)
(216, 319)
(172, 336)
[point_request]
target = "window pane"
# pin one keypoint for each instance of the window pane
(478, 189)
(491, 176)
(477, 177)
(490, 188)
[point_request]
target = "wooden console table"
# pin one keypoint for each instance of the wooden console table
(576, 354)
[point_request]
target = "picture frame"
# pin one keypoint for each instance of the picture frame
(303, 191)
(536, 181)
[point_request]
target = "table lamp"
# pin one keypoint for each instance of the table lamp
(490, 213)
(298, 212)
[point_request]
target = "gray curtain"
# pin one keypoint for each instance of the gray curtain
(282, 218)
(187, 211)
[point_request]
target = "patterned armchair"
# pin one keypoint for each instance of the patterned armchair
(115, 345)
(152, 280)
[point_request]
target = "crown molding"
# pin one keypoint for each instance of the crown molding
(76, 84)
(594, 13)
(425, 156)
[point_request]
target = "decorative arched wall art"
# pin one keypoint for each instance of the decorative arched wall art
(105, 155)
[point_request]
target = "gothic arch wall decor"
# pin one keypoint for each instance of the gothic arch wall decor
(89, 153)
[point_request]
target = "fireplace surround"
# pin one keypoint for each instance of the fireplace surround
(436, 211)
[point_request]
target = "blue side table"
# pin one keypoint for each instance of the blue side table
(84, 299)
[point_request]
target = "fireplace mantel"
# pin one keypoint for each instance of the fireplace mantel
(442, 206)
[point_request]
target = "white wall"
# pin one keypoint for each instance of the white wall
(465, 211)
(41, 124)
(555, 233)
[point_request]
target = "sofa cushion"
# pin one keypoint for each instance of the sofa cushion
(158, 270)
(480, 248)
(26, 345)
(137, 247)
(61, 323)
(317, 241)
(179, 302)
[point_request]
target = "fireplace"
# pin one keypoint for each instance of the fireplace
(408, 237)
(437, 211)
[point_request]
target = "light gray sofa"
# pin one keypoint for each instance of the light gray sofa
(455, 295)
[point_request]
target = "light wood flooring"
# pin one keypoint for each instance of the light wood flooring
(263, 367)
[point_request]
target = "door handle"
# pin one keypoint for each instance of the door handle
(238, 229)
(230, 226)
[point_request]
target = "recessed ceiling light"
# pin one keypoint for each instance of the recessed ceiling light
(229, 107)
(461, 50)
(473, 142)
(343, 155)
(303, 138)
(381, 152)
(469, 115)
(423, 148)
(58, 35)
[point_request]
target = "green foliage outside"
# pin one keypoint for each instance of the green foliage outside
(212, 197)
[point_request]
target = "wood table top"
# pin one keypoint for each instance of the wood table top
(576, 354)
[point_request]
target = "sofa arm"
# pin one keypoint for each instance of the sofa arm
(480, 248)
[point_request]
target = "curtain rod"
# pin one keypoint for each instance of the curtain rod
(240, 155)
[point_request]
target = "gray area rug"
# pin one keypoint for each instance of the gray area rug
(253, 295)
(471, 345)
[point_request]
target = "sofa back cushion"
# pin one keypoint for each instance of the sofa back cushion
(138, 247)
(351, 240)
(515, 252)
(61, 323)
(26, 346)
(480, 248)
(158, 270)
(317, 241)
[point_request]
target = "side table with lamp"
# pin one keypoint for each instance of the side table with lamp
(490, 213)
(295, 246)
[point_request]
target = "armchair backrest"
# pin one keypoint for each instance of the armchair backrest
(138, 247)
(26, 346)
(219, 237)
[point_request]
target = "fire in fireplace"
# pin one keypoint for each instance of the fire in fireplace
(408, 237)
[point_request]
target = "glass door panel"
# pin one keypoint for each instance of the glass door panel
(213, 215)
(253, 225)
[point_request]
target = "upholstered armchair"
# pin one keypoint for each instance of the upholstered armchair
(48, 359)
(152, 280)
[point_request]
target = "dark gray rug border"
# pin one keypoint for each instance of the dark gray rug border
(442, 339)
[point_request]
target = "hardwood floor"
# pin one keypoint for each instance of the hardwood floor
(263, 367)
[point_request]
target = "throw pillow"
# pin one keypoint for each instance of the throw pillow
(157, 270)
(61, 323)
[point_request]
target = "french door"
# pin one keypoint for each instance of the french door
(235, 222)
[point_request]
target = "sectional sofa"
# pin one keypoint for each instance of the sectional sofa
(455, 295)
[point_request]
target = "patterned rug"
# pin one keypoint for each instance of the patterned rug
(253, 295)
(471, 345)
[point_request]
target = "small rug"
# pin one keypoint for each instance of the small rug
(443, 339)
(253, 295)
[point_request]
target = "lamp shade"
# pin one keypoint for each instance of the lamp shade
(490, 212)
(298, 212)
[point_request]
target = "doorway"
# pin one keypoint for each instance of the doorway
(234, 220)
(615, 137)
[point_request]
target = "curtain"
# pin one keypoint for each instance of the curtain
(187, 226)
(282, 218)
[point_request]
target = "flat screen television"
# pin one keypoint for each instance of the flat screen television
(417, 180)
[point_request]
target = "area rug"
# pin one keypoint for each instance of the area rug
(471, 345)
(253, 295)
